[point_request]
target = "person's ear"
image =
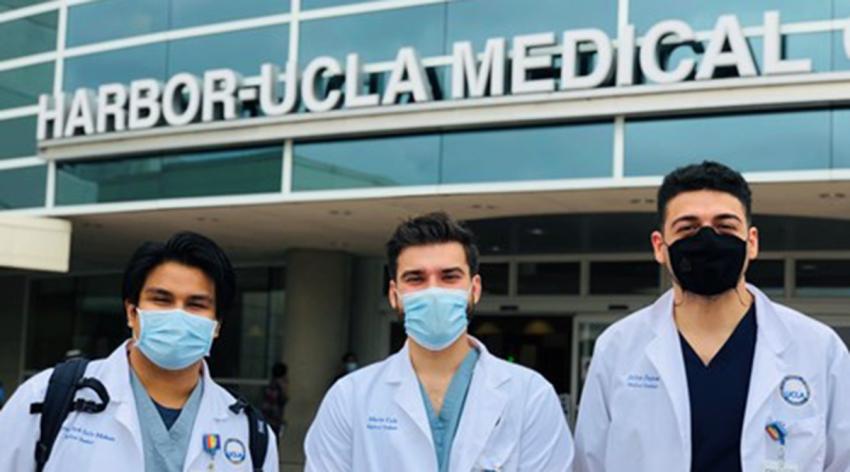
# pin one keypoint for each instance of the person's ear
(477, 288)
(753, 243)
(392, 296)
(659, 247)
(130, 310)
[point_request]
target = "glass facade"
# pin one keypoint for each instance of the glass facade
(22, 187)
(245, 171)
(17, 136)
(21, 87)
(29, 35)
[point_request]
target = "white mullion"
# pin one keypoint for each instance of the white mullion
(19, 162)
(26, 61)
(19, 112)
(24, 12)
(286, 173)
(622, 14)
(61, 38)
(365, 7)
(619, 148)
(50, 186)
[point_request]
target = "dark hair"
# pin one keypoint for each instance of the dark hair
(349, 355)
(707, 175)
(433, 228)
(279, 369)
(189, 249)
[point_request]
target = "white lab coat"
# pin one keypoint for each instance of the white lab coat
(375, 420)
(111, 439)
(634, 412)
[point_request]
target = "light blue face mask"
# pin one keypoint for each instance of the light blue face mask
(435, 317)
(174, 339)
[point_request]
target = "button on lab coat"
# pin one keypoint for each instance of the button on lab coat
(111, 439)
(375, 420)
(635, 412)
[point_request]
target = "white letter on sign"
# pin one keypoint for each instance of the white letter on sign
(522, 63)
(220, 87)
(144, 97)
(312, 73)
(407, 63)
(649, 63)
(569, 61)
(739, 56)
(773, 62)
(465, 72)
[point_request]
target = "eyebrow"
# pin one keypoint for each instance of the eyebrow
(728, 216)
(683, 219)
(154, 291)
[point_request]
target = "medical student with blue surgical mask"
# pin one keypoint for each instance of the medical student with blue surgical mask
(442, 403)
(162, 410)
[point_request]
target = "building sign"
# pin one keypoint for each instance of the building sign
(524, 65)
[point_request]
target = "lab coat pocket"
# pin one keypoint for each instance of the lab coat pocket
(805, 443)
(497, 452)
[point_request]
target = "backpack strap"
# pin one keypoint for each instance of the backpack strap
(258, 431)
(65, 381)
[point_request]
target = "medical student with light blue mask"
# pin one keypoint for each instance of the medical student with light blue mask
(442, 403)
(160, 409)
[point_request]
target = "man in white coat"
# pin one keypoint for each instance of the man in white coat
(714, 376)
(442, 403)
(164, 412)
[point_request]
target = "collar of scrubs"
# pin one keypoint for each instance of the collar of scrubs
(444, 424)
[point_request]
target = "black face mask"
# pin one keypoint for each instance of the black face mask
(708, 263)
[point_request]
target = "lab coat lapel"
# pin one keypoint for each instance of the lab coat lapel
(665, 354)
(772, 337)
(407, 394)
(485, 403)
(211, 412)
(116, 379)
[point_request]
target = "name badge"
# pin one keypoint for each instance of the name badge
(779, 466)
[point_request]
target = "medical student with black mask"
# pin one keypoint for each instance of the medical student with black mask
(442, 403)
(151, 406)
(714, 376)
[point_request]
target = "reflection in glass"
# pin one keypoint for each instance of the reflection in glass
(841, 139)
(376, 36)
(553, 152)
(99, 21)
(243, 51)
(624, 278)
(22, 187)
(228, 172)
(21, 87)
(379, 162)
(186, 13)
(29, 35)
(313, 4)
(17, 136)
(748, 142)
(479, 20)
(8, 5)
(121, 66)
(702, 15)
(548, 278)
(823, 278)
(494, 278)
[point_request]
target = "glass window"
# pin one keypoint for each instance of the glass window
(18, 137)
(81, 314)
(23, 187)
(548, 278)
(21, 87)
(556, 152)
(30, 35)
(379, 162)
(121, 66)
(749, 142)
(228, 172)
(8, 5)
(242, 51)
(247, 343)
(376, 36)
(479, 20)
(99, 21)
(768, 276)
(841, 61)
(186, 13)
(702, 15)
(823, 278)
(494, 278)
(624, 278)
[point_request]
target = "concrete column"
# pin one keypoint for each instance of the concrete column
(370, 312)
(316, 333)
(13, 293)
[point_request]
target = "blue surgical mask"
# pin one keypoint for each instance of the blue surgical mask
(435, 317)
(174, 339)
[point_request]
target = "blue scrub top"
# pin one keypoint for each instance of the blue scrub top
(718, 397)
(444, 425)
